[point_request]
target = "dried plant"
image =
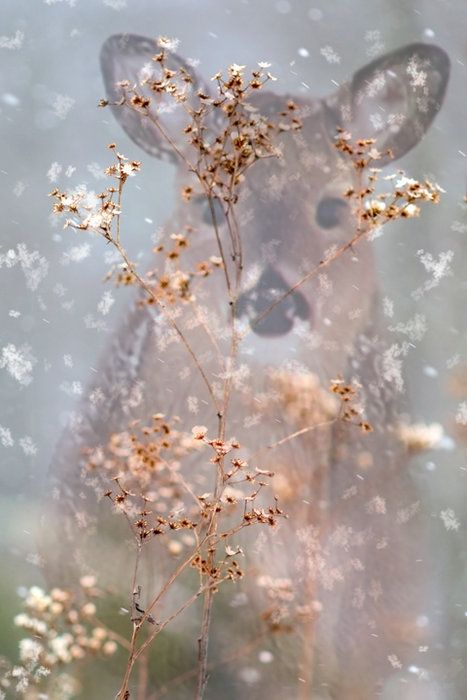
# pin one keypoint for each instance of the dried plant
(192, 491)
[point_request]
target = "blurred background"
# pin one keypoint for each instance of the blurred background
(56, 314)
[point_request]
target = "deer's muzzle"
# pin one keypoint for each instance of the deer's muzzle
(271, 287)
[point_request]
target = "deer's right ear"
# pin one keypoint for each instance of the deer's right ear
(394, 99)
(128, 57)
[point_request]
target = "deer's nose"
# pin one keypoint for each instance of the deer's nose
(270, 288)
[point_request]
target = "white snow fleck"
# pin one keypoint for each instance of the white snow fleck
(19, 188)
(6, 437)
(96, 170)
(74, 388)
(106, 303)
(415, 328)
(394, 661)
(62, 105)
(34, 266)
(76, 254)
(438, 268)
(18, 362)
(449, 519)
(28, 446)
(388, 307)
(12, 42)
(392, 364)
(193, 404)
(54, 171)
(330, 55)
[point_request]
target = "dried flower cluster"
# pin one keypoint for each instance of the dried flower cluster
(350, 410)
(63, 629)
(377, 209)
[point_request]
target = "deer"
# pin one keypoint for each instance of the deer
(354, 542)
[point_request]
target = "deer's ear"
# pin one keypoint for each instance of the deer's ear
(128, 57)
(395, 98)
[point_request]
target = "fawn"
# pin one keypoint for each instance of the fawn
(353, 550)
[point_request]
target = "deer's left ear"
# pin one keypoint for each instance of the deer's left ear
(131, 58)
(394, 99)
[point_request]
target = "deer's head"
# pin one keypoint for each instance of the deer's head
(292, 209)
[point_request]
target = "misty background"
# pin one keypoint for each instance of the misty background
(58, 314)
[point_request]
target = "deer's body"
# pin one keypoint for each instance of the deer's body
(353, 545)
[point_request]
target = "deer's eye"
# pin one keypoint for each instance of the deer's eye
(330, 211)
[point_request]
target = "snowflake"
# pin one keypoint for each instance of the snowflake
(19, 188)
(106, 303)
(6, 437)
(34, 266)
(193, 406)
(93, 323)
(97, 396)
(415, 328)
(405, 514)
(68, 360)
(417, 76)
(62, 105)
(392, 364)
(458, 227)
(453, 361)
(377, 121)
(54, 171)
(74, 388)
(28, 446)
(12, 42)
(388, 307)
(330, 55)
(96, 170)
(251, 421)
(438, 268)
(449, 519)
(375, 49)
(372, 35)
(76, 254)
(18, 362)
(394, 661)
(376, 506)
(376, 84)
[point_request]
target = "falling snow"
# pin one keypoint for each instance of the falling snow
(6, 437)
(12, 42)
(330, 55)
(34, 266)
(449, 519)
(18, 362)
(62, 105)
